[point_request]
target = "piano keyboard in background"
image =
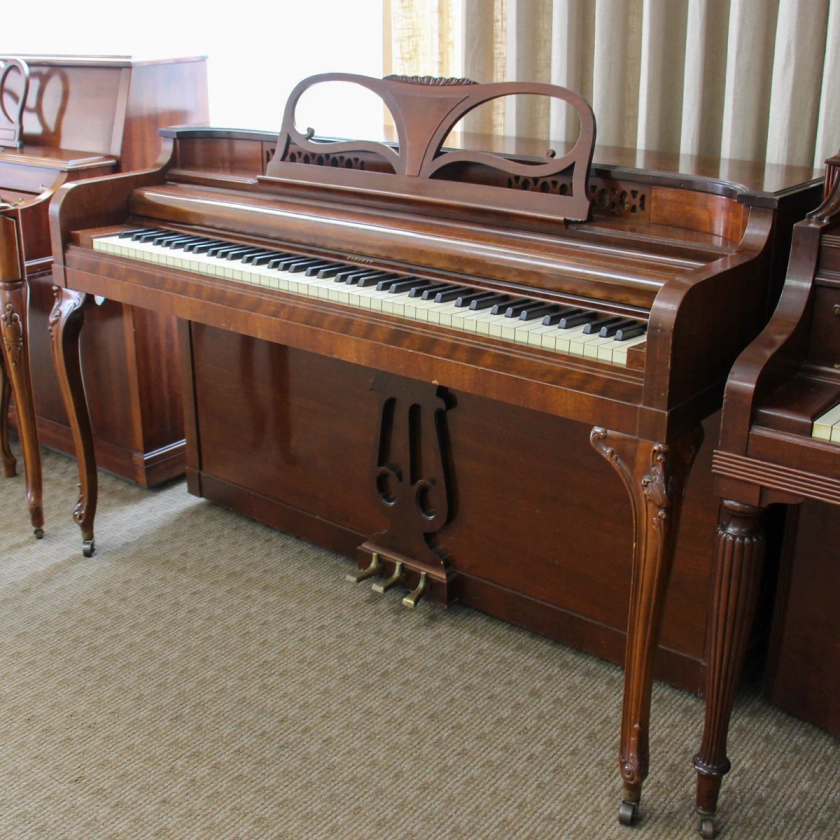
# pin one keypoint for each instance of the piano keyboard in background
(827, 427)
(559, 328)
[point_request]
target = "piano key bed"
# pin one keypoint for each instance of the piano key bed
(562, 329)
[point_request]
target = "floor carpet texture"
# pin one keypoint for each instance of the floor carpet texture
(203, 676)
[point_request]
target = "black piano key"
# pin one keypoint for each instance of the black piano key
(235, 250)
(163, 238)
(148, 237)
(596, 325)
(138, 237)
(351, 274)
(556, 317)
(515, 309)
(481, 300)
(609, 330)
(191, 246)
(407, 284)
(531, 313)
(302, 267)
(631, 332)
(312, 270)
(331, 271)
(284, 263)
(450, 293)
(240, 255)
(126, 234)
(569, 321)
(499, 306)
(429, 290)
(204, 247)
(262, 259)
(179, 242)
(383, 282)
(221, 251)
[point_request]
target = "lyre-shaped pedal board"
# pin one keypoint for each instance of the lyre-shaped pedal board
(412, 478)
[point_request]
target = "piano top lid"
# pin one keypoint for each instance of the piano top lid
(99, 60)
(752, 183)
(50, 157)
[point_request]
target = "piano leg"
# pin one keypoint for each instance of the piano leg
(9, 462)
(655, 475)
(66, 321)
(740, 558)
(13, 324)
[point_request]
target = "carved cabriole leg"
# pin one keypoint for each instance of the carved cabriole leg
(740, 558)
(13, 321)
(9, 462)
(66, 321)
(655, 476)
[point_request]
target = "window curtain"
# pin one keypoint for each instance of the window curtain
(747, 79)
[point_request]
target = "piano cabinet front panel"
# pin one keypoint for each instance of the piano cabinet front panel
(540, 529)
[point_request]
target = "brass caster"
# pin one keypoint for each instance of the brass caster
(363, 574)
(384, 585)
(39, 533)
(708, 829)
(628, 812)
(87, 548)
(412, 598)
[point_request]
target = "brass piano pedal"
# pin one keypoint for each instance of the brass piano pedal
(363, 574)
(384, 585)
(413, 597)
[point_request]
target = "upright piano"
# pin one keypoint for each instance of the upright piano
(66, 118)
(416, 327)
(779, 443)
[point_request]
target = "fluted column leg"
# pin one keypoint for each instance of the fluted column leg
(66, 321)
(9, 461)
(655, 475)
(13, 324)
(740, 559)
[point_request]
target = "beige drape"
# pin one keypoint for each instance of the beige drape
(747, 79)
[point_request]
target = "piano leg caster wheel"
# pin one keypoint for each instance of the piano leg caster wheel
(87, 548)
(39, 533)
(708, 829)
(628, 812)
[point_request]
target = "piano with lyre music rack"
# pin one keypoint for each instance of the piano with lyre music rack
(66, 118)
(420, 284)
(779, 444)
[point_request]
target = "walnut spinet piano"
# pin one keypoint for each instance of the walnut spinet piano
(65, 118)
(778, 444)
(433, 276)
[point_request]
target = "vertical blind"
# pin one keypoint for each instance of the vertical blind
(746, 79)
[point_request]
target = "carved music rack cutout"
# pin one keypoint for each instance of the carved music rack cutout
(11, 124)
(424, 111)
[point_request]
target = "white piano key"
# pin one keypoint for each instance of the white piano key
(823, 427)
(620, 352)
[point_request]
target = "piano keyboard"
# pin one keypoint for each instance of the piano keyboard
(827, 427)
(559, 328)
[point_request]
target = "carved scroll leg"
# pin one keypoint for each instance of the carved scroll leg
(740, 558)
(9, 461)
(66, 321)
(13, 321)
(655, 476)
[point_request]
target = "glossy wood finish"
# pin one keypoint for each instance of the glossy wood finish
(87, 117)
(803, 672)
(15, 348)
(676, 276)
(784, 380)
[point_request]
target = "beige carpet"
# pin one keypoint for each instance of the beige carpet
(206, 677)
